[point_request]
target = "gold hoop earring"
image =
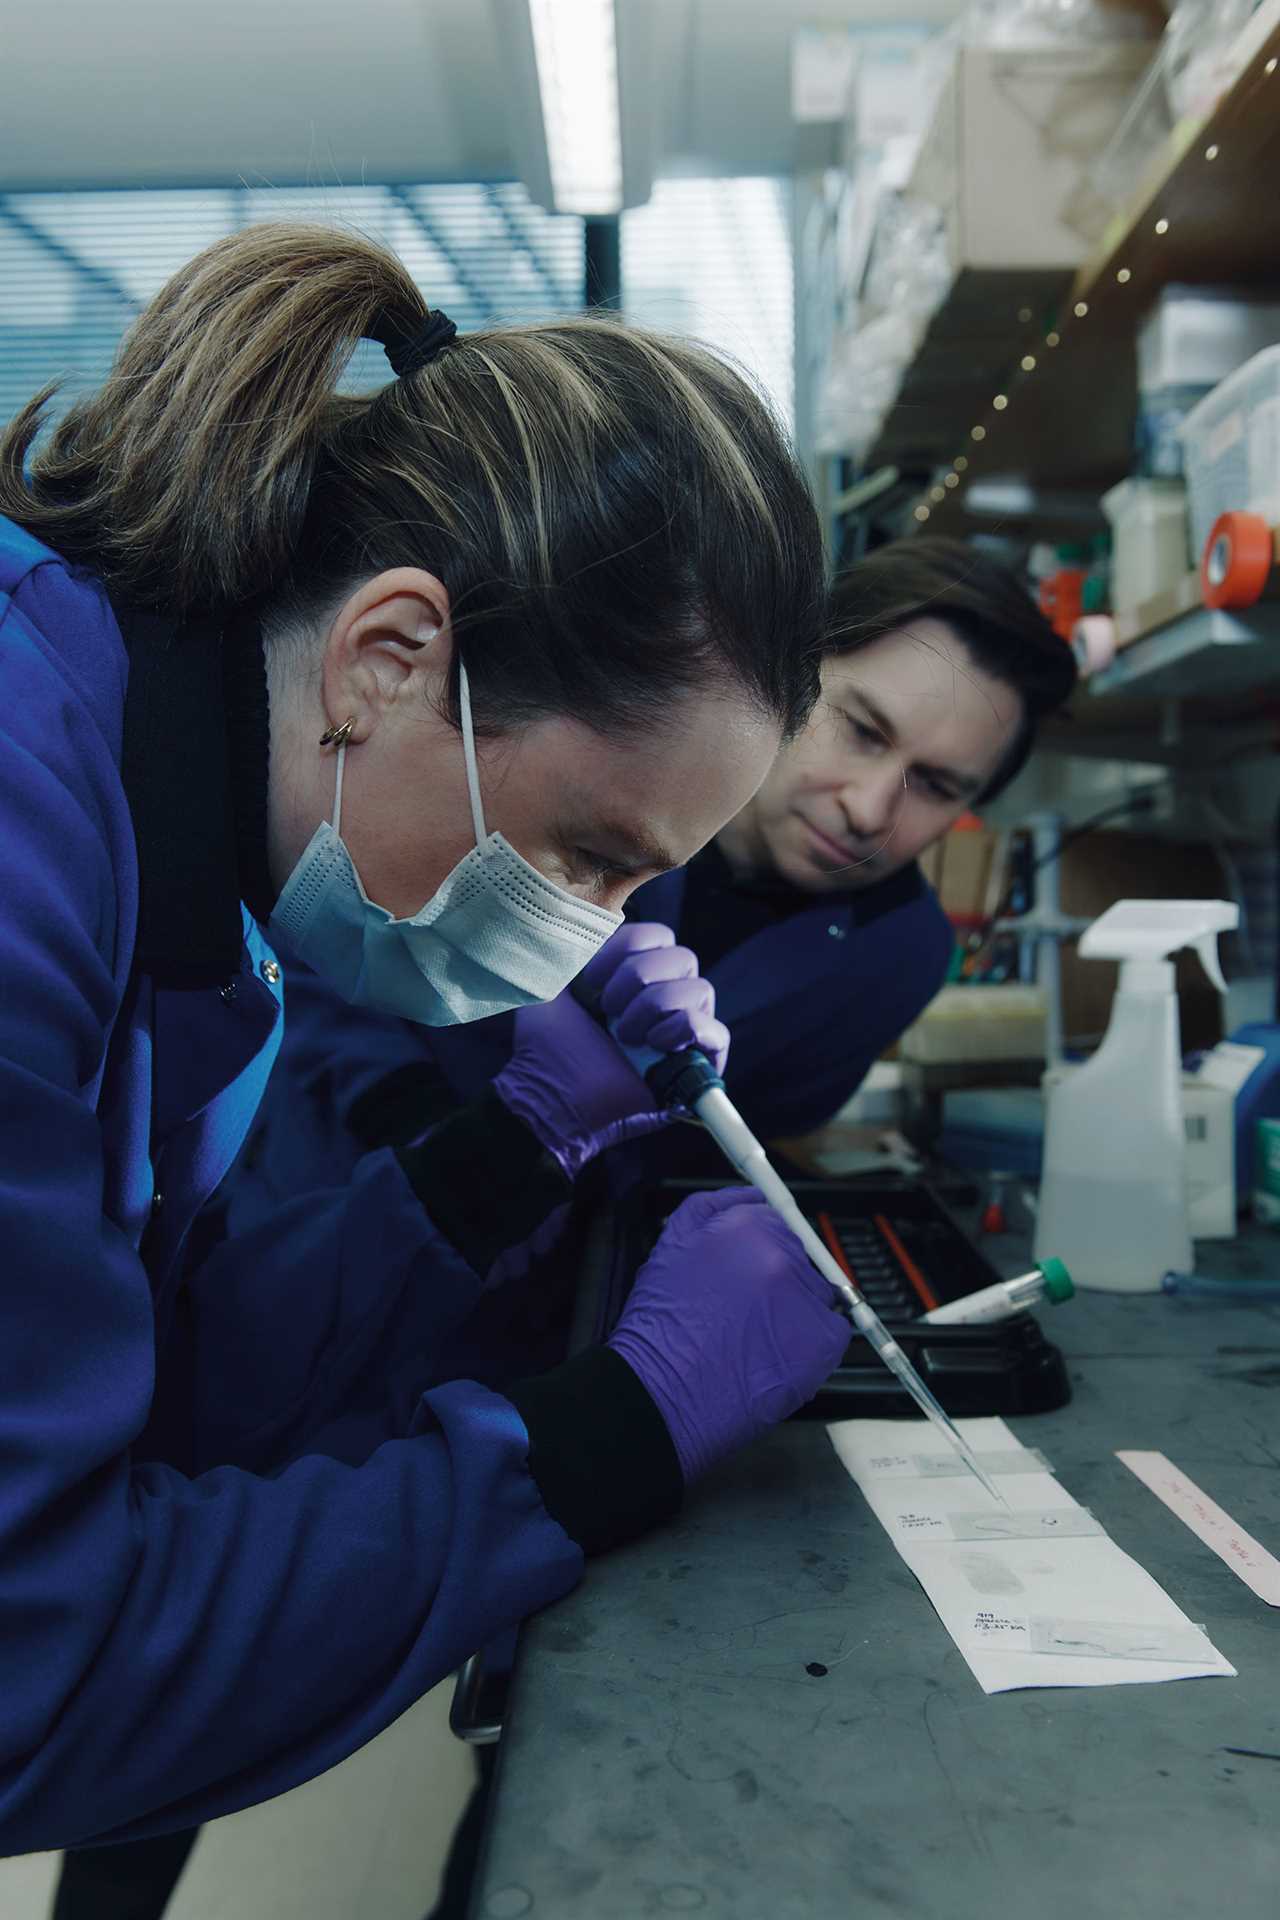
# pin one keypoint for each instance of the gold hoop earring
(338, 736)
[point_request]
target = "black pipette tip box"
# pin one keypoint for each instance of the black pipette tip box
(906, 1253)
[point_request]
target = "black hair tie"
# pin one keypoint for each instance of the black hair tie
(409, 349)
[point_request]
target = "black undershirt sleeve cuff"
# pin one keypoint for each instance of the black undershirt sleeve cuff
(599, 1450)
(486, 1180)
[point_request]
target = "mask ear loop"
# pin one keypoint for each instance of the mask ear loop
(469, 754)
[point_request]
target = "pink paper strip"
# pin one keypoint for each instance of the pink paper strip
(1245, 1556)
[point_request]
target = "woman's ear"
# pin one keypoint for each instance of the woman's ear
(390, 642)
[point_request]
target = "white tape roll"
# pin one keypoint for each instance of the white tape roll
(1093, 641)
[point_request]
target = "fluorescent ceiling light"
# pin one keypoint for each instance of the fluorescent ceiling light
(576, 51)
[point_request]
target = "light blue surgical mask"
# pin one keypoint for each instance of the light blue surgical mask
(496, 934)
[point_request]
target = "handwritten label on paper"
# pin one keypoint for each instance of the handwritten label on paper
(1247, 1557)
(922, 1526)
(891, 1466)
(991, 1628)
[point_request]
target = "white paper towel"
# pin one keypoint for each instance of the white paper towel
(1038, 1597)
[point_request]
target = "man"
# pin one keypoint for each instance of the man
(808, 911)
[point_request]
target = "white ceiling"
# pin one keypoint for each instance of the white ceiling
(284, 92)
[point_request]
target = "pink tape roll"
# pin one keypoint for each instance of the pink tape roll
(1093, 641)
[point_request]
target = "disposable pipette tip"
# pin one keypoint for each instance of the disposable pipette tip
(970, 1460)
(903, 1371)
(947, 1425)
(744, 1152)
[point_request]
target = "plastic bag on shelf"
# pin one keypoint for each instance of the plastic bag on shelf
(878, 332)
(1050, 23)
(861, 379)
(1201, 56)
(908, 274)
(909, 267)
(1114, 177)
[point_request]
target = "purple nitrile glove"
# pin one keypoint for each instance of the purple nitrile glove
(728, 1326)
(567, 1079)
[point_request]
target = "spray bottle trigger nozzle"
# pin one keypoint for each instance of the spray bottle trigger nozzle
(1207, 948)
(1148, 930)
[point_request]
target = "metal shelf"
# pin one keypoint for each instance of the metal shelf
(1203, 652)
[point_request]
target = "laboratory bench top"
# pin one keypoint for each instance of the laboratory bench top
(755, 1714)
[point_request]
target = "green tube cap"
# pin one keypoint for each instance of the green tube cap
(1058, 1284)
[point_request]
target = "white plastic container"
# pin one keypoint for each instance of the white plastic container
(1196, 336)
(1208, 1129)
(1113, 1197)
(1231, 447)
(1149, 550)
(974, 1025)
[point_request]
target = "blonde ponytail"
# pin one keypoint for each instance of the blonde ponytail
(187, 475)
(615, 513)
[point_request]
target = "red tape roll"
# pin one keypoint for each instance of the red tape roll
(1237, 561)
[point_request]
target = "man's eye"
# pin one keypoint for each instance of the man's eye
(865, 734)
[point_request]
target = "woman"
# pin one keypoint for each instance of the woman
(506, 638)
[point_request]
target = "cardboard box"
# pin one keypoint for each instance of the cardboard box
(959, 869)
(1007, 156)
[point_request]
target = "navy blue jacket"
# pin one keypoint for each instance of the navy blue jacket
(811, 1001)
(245, 1520)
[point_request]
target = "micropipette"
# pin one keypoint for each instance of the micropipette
(688, 1079)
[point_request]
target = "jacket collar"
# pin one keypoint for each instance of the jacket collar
(796, 956)
(176, 769)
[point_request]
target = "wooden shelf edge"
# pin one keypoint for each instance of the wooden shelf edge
(1132, 221)
(1127, 262)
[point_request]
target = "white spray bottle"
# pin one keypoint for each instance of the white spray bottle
(1113, 1202)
